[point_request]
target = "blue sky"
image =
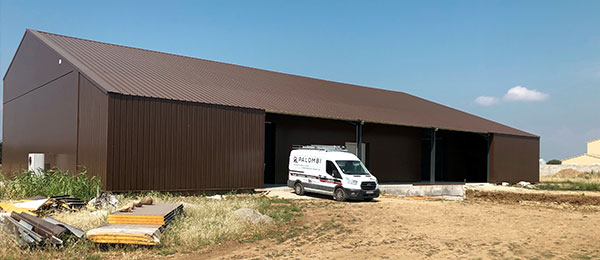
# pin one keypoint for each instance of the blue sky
(451, 52)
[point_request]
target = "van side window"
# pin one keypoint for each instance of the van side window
(330, 169)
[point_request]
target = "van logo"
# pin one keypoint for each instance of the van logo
(307, 160)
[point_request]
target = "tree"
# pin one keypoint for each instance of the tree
(554, 161)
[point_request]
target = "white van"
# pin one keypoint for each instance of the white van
(330, 170)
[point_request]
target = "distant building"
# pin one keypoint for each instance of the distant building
(592, 157)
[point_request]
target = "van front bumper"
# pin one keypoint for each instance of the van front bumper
(361, 194)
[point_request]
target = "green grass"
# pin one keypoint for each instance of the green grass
(568, 185)
(279, 209)
(49, 183)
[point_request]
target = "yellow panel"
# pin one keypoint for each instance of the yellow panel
(11, 208)
(125, 241)
(114, 235)
(135, 217)
(136, 222)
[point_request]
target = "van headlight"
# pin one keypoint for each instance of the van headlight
(351, 181)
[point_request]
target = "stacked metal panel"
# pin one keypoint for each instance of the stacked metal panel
(142, 226)
(156, 214)
(126, 234)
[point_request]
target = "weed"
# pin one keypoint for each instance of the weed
(49, 183)
(568, 185)
(166, 251)
(580, 256)
(547, 254)
(93, 257)
(579, 177)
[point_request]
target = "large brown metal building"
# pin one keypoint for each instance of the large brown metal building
(147, 120)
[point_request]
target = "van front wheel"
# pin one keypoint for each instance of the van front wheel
(298, 189)
(339, 194)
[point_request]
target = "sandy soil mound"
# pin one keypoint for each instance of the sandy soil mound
(568, 173)
(252, 216)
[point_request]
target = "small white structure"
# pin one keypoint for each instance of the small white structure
(35, 163)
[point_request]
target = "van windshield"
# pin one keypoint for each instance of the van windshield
(352, 167)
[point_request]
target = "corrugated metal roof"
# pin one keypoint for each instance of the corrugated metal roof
(138, 72)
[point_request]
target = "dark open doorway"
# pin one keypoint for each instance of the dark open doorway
(284, 131)
(459, 156)
(269, 152)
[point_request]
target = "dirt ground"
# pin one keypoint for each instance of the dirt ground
(558, 199)
(417, 228)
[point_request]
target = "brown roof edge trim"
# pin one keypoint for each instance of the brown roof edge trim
(83, 69)
(522, 136)
(257, 110)
(473, 115)
(15, 56)
(395, 124)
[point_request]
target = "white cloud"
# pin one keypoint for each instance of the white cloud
(516, 93)
(519, 93)
(487, 101)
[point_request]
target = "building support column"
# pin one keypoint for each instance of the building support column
(359, 125)
(432, 156)
(489, 149)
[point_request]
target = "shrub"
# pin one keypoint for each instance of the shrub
(554, 161)
(49, 183)
(569, 185)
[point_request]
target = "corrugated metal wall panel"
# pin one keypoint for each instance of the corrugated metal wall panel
(167, 145)
(514, 159)
(93, 129)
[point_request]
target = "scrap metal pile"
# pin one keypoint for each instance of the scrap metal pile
(40, 204)
(29, 229)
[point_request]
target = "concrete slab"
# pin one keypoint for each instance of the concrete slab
(447, 191)
(453, 191)
(285, 192)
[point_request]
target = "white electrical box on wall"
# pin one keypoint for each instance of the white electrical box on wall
(36, 163)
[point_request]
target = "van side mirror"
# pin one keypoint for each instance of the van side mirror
(335, 173)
